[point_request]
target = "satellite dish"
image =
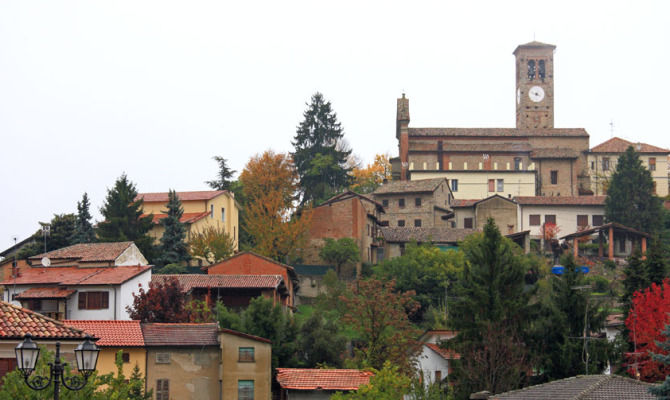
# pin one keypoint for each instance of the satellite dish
(46, 262)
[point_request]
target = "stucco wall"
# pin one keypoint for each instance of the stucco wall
(126, 290)
(193, 373)
(258, 371)
(599, 177)
(107, 360)
(430, 362)
(566, 217)
(131, 256)
(474, 184)
(504, 213)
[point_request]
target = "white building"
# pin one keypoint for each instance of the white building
(433, 360)
(569, 213)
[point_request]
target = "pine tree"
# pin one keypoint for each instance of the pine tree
(662, 391)
(123, 218)
(173, 248)
(223, 181)
(636, 278)
(656, 264)
(84, 232)
(320, 155)
(630, 200)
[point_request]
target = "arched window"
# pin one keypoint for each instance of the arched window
(531, 70)
(542, 71)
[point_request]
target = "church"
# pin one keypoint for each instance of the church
(532, 159)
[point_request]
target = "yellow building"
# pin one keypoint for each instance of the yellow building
(602, 161)
(481, 184)
(115, 336)
(246, 363)
(203, 209)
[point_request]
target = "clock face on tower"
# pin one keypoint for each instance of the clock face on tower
(536, 94)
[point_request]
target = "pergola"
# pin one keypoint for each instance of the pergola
(610, 229)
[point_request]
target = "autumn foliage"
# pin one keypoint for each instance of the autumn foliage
(270, 184)
(367, 179)
(162, 302)
(646, 320)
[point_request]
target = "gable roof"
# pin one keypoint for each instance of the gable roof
(618, 145)
(460, 203)
(16, 322)
(163, 197)
(420, 186)
(436, 235)
(244, 335)
(249, 254)
(447, 354)
(582, 387)
(180, 334)
(111, 333)
(189, 282)
(45, 293)
(88, 252)
(322, 379)
(561, 200)
(498, 132)
(70, 276)
(348, 195)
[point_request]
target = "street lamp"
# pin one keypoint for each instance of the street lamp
(27, 354)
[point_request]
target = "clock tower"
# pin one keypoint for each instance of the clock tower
(534, 85)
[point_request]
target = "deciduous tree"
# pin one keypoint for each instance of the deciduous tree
(162, 302)
(84, 232)
(173, 248)
(212, 244)
(368, 179)
(320, 342)
(224, 179)
(387, 384)
(339, 252)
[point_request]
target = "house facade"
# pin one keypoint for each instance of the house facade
(568, 213)
(602, 161)
(319, 384)
(433, 360)
(202, 210)
(246, 361)
(472, 213)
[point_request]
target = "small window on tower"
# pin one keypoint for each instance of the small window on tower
(531, 70)
(541, 70)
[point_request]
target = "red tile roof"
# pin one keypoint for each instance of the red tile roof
(323, 379)
(183, 196)
(186, 218)
(244, 335)
(561, 200)
(618, 145)
(68, 276)
(45, 293)
(191, 281)
(463, 203)
(16, 322)
(444, 353)
(111, 333)
(88, 252)
(180, 334)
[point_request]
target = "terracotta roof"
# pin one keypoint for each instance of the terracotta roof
(437, 235)
(88, 252)
(244, 335)
(459, 203)
(497, 132)
(561, 200)
(180, 334)
(555, 153)
(191, 281)
(534, 45)
(45, 293)
(111, 333)
(614, 320)
(186, 218)
(583, 387)
(349, 194)
(420, 186)
(162, 197)
(442, 352)
(252, 254)
(618, 145)
(322, 379)
(604, 228)
(16, 322)
(68, 276)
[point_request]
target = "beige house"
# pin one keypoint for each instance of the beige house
(473, 213)
(246, 362)
(480, 184)
(602, 161)
(203, 209)
(569, 213)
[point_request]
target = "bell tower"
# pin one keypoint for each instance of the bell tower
(534, 85)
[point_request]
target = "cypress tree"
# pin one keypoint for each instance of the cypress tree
(84, 232)
(173, 248)
(320, 155)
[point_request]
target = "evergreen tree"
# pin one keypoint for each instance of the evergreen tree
(636, 278)
(630, 200)
(656, 264)
(61, 231)
(84, 232)
(223, 181)
(173, 248)
(320, 155)
(320, 342)
(662, 391)
(123, 218)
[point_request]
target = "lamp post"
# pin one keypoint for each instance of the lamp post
(27, 354)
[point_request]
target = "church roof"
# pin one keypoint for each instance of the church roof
(498, 132)
(534, 45)
(618, 145)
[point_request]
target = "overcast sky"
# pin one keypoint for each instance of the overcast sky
(92, 89)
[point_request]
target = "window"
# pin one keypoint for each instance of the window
(223, 214)
(531, 70)
(500, 185)
(401, 203)
(622, 245)
(93, 300)
(467, 223)
(385, 203)
(417, 223)
(368, 226)
(211, 210)
(162, 358)
(550, 219)
(582, 221)
(517, 163)
(162, 389)
(402, 249)
(534, 220)
(652, 163)
(401, 222)
(542, 72)
(417, 202)
(33, 304)
(454, 185)
(7, 365)
(597, 220)
(593, 165)
(606, 163)
(246, 354)
(438, 376)
(554, 177)
(125, 357)
(492, 184)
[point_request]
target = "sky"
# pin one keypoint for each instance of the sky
(90, 90)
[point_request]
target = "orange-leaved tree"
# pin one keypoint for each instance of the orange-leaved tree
(367, 179)
(270, 184)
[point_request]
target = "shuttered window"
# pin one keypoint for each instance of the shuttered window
(245, 390)
(93, 300)
(582, 221)
(162, 389)
(246, 354)
(534, 220)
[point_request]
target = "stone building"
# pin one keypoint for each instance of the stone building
(534, 158)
